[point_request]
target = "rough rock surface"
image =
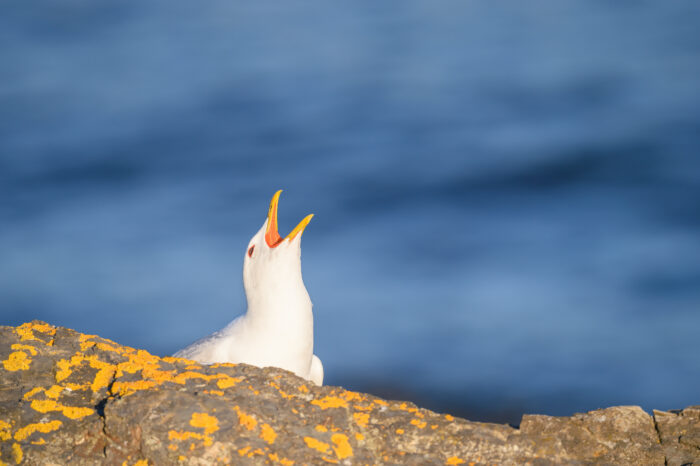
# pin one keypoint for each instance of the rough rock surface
(70, 398)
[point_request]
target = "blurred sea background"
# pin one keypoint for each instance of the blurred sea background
(507, 196)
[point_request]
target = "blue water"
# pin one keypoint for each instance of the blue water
(507, 197)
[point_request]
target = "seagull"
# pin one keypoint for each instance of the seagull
(277, 329)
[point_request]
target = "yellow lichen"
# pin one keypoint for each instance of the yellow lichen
(43, 427)
(454, 460)
(26, 330)
(321, 428)
(225, 381)
(54, 392)
(243, 451)
(399, 431)
(359, 436)
(183, 377)
(279, 389)
(268, 434)
(32, 392)
(204, 421)
(185, 435)
(316, 444)
(20, 347)
(368, 407)
(17, 361)
(342, 446)
(284, 461)
(247, 421)
(449, 418)
(417, 423)
(76, 386)
(74, 412)
(17, 453)
(44, 406)
(353, 396)
(41, 441)
(330, 402)
(303, 389)
(361, 419)
(64, 369)
(5, 428)
(127, 388)
(102, 378)
(172, 360)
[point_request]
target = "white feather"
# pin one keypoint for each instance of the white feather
(277, 329)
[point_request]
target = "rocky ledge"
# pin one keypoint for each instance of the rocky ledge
(70, 398)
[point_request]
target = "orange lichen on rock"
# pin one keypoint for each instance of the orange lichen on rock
(281, 392)
(5, 430)
(283, 461)
(17, 453)
(32, 392)
(65, 366)
(247, 421)
(86, 343)
(419, 424)
(102, 378)
(71, 412)
(186, 435)
(352, 396)
(342, 446)
(54, 392)
(316, 444)
(454, 460)
(209, 423)
(226, 381)
(17, 361)
(21, 347)
(267, 433)
(26, 330)
(127, 388)
(361, 419)
(43, 427)
(330, 402)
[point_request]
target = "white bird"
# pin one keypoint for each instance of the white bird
(277, 329)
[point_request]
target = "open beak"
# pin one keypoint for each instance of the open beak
(272, 236)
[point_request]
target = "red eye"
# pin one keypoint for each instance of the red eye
(250, 251)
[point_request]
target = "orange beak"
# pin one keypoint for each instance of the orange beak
(272, 236)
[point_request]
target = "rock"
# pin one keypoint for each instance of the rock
(70, 398)
(679, 432)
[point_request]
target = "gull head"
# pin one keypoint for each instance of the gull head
(272, 264)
